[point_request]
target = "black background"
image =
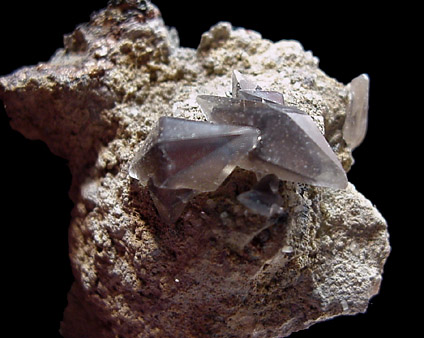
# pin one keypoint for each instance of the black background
(349, 38)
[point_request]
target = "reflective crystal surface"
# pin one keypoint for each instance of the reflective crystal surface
(170, 203)
(355, 126)
(241, 82)
(243, 88)
(291, 146)
(264, 198)
(254, 130)
(184, 154)
(261, 95)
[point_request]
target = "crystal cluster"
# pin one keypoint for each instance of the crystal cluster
(254, 130)
(185, 154)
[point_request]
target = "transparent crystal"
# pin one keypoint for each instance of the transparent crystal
(241, 82)
(291, 146)
(170, 203)
(264, 198)
(184, 154)
(243, 88)
(355, 126)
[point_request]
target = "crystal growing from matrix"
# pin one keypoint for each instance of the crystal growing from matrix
(184, 154)
(291, 145)
(245, 89)
(254, 130)
(170, 203)
(264, 198)
(355, 126)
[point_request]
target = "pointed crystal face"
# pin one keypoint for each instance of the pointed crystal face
(291, 145)
(169, 203)
(355, 126)
(184, 154)
(240, 82)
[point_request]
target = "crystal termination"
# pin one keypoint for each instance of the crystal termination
(254, 130)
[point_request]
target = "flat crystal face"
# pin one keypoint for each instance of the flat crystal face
(169, 203)
(262, 96)
(289, 140)
(243, 88)
(355, 126)
(184, 154)
(240, 82)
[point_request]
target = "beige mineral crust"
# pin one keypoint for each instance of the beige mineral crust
(219, 271)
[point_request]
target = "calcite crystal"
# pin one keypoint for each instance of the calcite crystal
(244, 88)
(219, 270)
(291, 145)
(180, 155)
(184, 154)
(355, 126)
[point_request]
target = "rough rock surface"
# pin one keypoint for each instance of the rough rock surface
(219, 271)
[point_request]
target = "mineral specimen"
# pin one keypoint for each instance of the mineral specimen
(355, 126)
(221, 270)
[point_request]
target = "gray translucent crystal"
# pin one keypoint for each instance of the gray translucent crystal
(246, 89)
(184, 154)
(355, 126)
(264, 198)
(241, 82)
(261, 95)
(291, 146)
(253, 130)
(170, 203)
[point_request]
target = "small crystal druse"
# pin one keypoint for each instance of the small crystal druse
(254, 130)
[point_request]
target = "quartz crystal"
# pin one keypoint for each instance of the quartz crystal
(355, 126)
(291, 145)
(184, 154)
